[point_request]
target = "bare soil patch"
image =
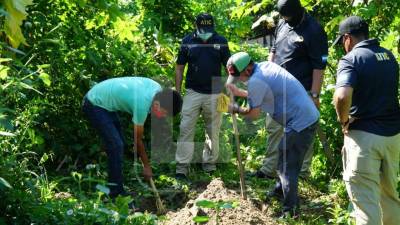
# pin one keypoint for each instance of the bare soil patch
(246, 213)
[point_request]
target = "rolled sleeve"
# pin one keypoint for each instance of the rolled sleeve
(346, 74)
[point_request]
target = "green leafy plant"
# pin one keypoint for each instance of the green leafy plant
(340, 215)
(217, 206)
(51, 54)
(16, 13)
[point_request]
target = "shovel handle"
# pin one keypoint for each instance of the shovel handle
(239, 155)
(159, 203)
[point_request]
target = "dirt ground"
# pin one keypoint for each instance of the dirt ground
(246, 213)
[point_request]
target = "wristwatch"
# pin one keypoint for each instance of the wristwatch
(313, 94)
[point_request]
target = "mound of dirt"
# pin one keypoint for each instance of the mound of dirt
(246, 213)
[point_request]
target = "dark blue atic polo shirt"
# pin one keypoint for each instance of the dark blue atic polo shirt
(204, 62)
(302, 49)
(373, 73)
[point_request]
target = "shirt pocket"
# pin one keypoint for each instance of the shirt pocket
(297, 42)
(215, 51)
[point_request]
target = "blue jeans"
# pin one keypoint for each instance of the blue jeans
(108, 127)
(292, 150)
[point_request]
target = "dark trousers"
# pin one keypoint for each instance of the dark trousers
(292, 150)
(108, 127)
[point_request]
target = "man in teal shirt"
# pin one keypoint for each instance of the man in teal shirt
(137, 96)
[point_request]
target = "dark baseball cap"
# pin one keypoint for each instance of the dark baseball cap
(351, 25)
(205, 23)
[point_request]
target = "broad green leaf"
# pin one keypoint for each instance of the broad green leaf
(100, 20)
(103, 189)
(4, 183)
(4, 72)
(307, 4)
(331, 26)
(44, 158)
(205, 204)
(201, 219)
(89, 24)
(16, 10)
(45, 78)
(124, 29)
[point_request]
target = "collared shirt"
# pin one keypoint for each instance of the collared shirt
(281, 95)
(204, 62)
(301, 49)
(133, 95)
(373, 73)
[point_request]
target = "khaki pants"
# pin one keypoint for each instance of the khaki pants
(371, 166)
(195, 103)
(270, 162)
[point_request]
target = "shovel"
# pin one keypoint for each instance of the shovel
(239, 155)
(160, 207)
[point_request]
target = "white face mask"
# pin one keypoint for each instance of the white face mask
(204, 36)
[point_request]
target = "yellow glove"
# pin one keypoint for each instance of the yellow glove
(223, 102)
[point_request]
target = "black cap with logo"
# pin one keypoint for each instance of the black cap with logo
(351, 25)
(205, 23)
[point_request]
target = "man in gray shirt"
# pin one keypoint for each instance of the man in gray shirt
(273, 90)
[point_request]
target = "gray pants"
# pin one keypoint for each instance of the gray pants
(370, 168)
(270, 162)
(195, 103)
(292, 149)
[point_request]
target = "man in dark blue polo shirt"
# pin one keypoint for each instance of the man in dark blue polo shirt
(367, 106)
(301, 47)
(204, 51)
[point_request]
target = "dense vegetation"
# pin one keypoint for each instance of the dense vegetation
(53, 51)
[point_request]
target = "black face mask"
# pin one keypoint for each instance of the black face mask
(292, 9)
(295, 19)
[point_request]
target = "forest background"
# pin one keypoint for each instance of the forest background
(51, 53)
